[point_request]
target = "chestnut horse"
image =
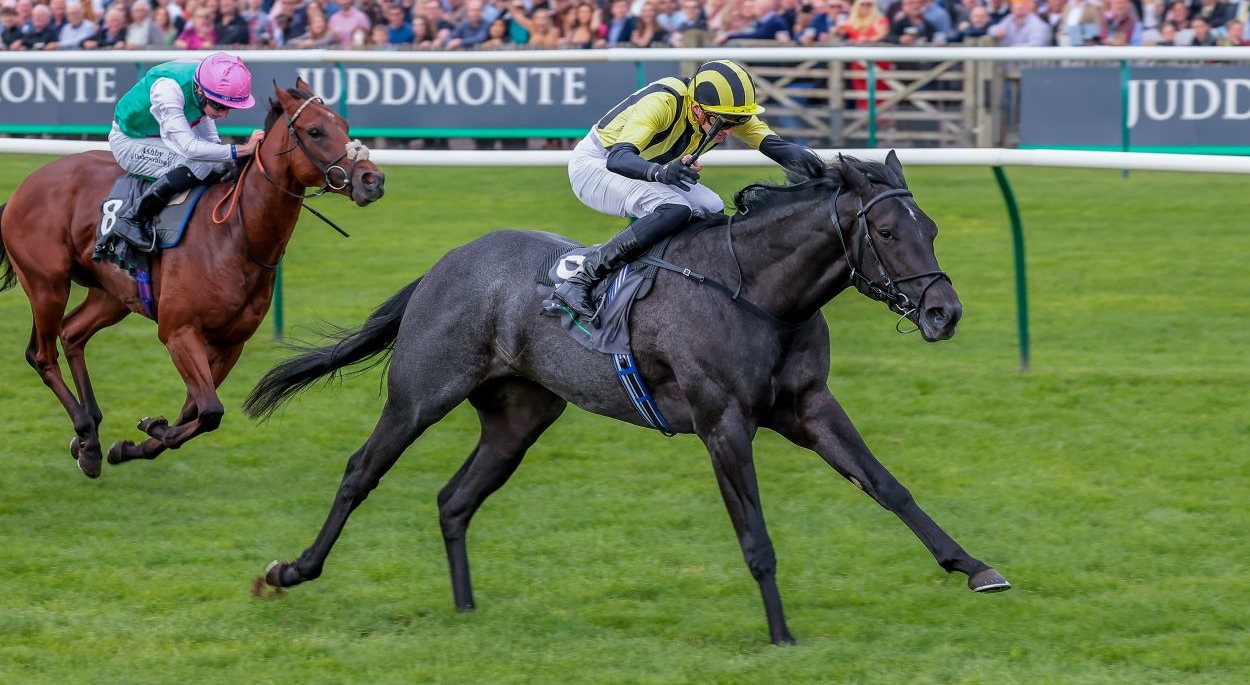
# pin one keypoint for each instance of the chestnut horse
(212, 291)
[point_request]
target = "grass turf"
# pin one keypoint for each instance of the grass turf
(1109, 483)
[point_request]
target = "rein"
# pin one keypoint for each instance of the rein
(354, 151)
(735, 294)
(887, 290)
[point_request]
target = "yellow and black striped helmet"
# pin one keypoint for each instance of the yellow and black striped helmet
(723, 87)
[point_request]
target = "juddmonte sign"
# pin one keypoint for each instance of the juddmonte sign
(1205, 105)
(392, 97)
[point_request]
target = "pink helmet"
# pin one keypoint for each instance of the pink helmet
(225, 80)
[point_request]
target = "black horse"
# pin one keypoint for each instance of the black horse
(719, 367)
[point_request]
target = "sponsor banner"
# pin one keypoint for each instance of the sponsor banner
(375, 96)
(1194, 106)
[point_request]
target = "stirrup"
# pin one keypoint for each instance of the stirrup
(574, 311)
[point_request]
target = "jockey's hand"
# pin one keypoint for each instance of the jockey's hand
(252, 142)
(691, 162)
(676, 173)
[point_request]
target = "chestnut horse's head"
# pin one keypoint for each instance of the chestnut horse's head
(319, 151)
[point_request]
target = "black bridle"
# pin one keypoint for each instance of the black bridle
(887, 289)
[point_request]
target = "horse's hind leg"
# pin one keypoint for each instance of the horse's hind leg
(98, 311)
(193, 419)
(513, 412)
(820, 424)
(48, 295)
(405, 416)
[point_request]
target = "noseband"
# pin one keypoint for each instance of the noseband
(886, 289)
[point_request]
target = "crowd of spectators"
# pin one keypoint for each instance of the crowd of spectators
(551, 24)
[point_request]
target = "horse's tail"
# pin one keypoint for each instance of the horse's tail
(375, 336)
(7, 278)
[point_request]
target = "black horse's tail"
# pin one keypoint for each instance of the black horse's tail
(375, 336)
(8, 279)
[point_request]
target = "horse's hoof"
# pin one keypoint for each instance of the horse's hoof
(988, 581)
(273, 574)
(88, 462)
(89, 467)
(148, 423)
(117, 453)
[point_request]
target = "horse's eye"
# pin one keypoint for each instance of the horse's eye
(886, 235)
(314, 132)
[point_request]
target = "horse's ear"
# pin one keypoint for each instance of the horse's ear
(852, 177)
(301, 84)
(892, 163)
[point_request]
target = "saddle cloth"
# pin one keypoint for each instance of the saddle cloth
(118, 242)
(616, 293)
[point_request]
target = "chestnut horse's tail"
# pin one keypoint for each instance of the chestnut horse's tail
(293, 376)
(8, 279)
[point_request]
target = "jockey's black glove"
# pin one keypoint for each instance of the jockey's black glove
(794, 157)
(677, 174)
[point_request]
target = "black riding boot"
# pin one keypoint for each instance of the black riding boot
(157, 196)
(623, 247)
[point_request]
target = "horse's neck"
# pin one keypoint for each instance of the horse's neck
(792, 265)
(270, 209)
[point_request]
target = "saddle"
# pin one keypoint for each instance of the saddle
(119, 242)
(615, 295)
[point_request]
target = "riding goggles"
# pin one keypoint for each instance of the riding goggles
(731, 120)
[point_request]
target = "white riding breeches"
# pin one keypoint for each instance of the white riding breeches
(618, 195)
(152, 158)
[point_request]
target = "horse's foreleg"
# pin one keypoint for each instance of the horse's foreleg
(819, 423)
(513, 414)
(98, 311)
(729, 443)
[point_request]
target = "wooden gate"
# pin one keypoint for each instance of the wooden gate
(918, 104)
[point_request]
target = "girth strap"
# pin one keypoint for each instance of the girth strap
(733, 295)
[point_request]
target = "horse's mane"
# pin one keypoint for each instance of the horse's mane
(275, 107)
(761, 196)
